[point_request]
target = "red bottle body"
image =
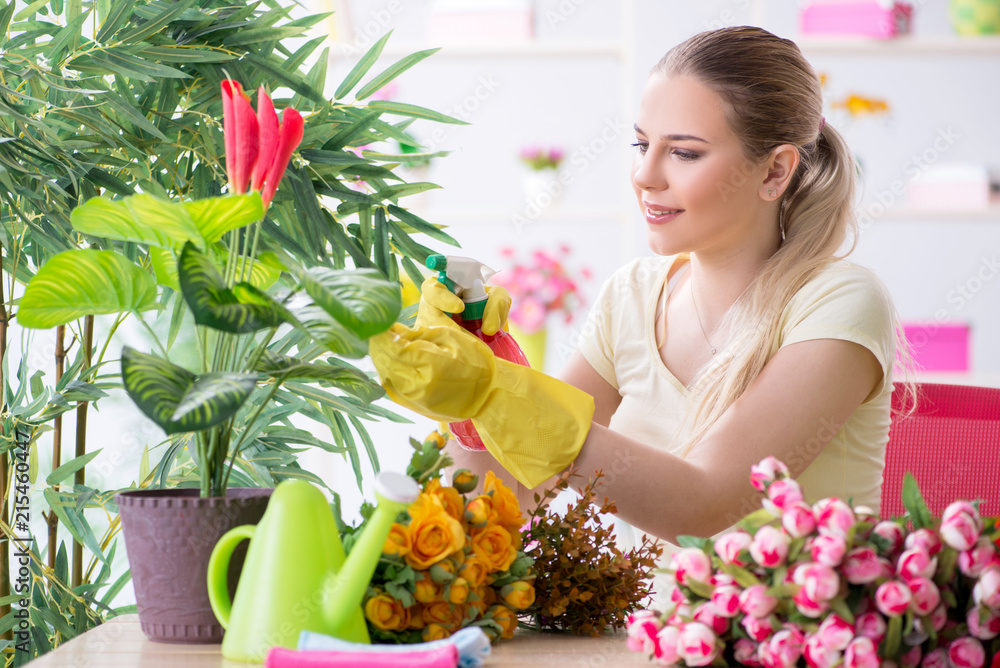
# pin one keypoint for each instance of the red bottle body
(503, 346)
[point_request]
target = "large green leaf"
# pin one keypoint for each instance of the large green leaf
(178, 400)
(239, 310)
(324, 329)
(361, 299)
(140, 218)
(78, 283)
(214, 216)
(335, 372)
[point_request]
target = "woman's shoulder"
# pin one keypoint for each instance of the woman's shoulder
(847, 284)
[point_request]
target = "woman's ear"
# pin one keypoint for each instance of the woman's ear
(781, 166)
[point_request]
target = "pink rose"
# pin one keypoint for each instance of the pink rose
(785, 648)
(861, 654)
(926, 596)
(870, 625)
(828, 549)
(911, 657)
(766, 472)
(781, 494)
(745, 653)
(937, 658)
(797, 519)
(641, 630)
(756, 602)
(833, 516)
(983, 623)
(727, 600)
(960, 526)
(809, 606)
(938, 618)
(972, 561)
(926, 539)
(682, 614)
(758, 628)
(819, 582)
(892, 598)
(691, 564)
(861, 565)
(892, 534)
(818, 655)
(697, 645)
(986, 591)
(665, 646)
(834, 633)
(708, 614)
(916, 563)
(966, 652)
(730, 545)
(770, 546)
(720, 579)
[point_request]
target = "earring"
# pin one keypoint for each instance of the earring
(772, 192)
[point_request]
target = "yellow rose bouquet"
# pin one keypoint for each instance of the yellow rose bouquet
(450, 561)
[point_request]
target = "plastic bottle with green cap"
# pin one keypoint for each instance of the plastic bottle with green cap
(467, 279)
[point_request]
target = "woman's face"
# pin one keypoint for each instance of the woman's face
(695, 188)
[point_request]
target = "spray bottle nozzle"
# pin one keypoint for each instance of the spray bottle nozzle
(465, 277)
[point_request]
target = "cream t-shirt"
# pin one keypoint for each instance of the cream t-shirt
(843, 301)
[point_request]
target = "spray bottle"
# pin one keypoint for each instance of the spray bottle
(466, 278)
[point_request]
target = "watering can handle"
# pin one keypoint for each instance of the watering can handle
(218, 571)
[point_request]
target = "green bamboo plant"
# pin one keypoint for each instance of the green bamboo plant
(120, 99)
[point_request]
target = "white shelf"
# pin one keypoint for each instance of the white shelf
(904, 46)
(958, 378)
(912, 213)
(551, 215)
(525, 49)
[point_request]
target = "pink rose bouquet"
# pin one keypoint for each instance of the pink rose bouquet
(826, 585)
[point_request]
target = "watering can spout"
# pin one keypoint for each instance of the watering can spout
(345, 590)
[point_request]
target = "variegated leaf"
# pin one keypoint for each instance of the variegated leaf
(337, 338)
(214, 216)
(334, 372)
(361, 299)
(178, 400)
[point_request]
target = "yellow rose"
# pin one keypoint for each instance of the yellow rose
(437, 438)
(518, 595)
(444, 571)
(437, 613)
(434, 632)
(474, 571)
(434, 534)
(398, 541)
(504, 502)
(488, 594)
(428, 591)
(416, 616)
(480, 511)
(492, 545)
(475, 601)
(506, 618)
(452, 501)
(386, 613)
(458, 591)
(464, 481)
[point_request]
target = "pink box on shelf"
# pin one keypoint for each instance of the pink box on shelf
(939, 347)
(857, 19)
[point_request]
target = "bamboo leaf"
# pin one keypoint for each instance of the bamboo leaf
(392, 72)
(154, 25)
(176, 399)
(140, 218)
(361, 69)
(120, 61)
(361, 299)
(185, 54)
(336, 373)
(120, 12)
(413, 111)
(238, 310)
(421, 225)
(70, 467)
(214, 216)
(78, 283)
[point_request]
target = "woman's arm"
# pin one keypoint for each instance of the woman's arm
(803, 387)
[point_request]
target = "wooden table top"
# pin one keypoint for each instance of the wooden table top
(121, 644)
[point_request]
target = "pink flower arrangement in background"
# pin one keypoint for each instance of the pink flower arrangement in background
(539, 158)
(828, 585)
(540, 287)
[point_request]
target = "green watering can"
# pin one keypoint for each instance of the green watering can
(296, 576)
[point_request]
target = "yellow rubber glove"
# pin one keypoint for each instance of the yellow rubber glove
(533, 424)
(435, 295)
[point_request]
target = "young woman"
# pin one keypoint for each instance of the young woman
(744, 337)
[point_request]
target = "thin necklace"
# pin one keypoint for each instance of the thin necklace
(694, 302)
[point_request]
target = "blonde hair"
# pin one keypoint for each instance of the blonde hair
(772, 97)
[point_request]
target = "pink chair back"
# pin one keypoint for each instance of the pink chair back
(951, 445)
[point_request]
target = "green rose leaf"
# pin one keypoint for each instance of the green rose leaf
(361, 299)
(178, 400)
(239, 310)
(214, 216)
(139, 218)
(78, 283)
(335, 372)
